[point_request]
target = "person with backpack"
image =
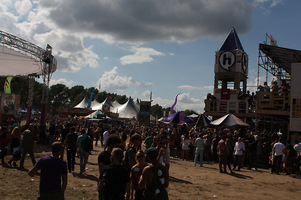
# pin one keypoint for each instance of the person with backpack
(84, 143)
(115, 178)
(155, 177)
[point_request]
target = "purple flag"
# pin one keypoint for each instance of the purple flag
(172, 111)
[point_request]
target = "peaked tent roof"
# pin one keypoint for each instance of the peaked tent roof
(232, 42)
(116, 106)
(128, 110)
(178, 118)
(95, 105)
(94, 114)
(83, 104)
(203, 121)
(108, 102)
(229, 120)
(22, 109)
(35, 110)
(137, 104)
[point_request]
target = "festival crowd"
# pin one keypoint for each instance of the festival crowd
(135, 160)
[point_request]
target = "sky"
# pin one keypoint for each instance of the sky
(139, 47)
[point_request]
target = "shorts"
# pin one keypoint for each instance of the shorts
(57, 195)
(222, 159)
(166, 157)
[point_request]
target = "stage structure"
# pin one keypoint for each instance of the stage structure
(19, 57)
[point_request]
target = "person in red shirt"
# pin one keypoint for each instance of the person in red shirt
(222, 153)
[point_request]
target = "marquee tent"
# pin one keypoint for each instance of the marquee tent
(229, 120)
(115, 107)
(128, 110)
(22, 109)
(203, 121)
(178, 118)
(94, 115)
(83, 104)
(95, 105)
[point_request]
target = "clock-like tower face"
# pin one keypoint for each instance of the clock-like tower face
(226, 60)
(244, 62)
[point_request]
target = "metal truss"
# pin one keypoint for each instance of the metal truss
(30, 49)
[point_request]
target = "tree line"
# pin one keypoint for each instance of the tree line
(61, 96)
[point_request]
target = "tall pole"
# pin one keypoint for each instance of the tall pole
(30, 98)
(46, 78)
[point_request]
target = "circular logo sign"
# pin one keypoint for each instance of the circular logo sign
(244, 62)
(226, 60)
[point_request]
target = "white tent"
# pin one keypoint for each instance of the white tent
(229, 120)
(128, 110)
(116, 106)
(95, 105)
(83, 104)
(94, 114)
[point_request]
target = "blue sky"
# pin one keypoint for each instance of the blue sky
(133, 47)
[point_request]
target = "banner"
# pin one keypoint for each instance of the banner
(7, 89)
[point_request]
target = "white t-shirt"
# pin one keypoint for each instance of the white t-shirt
(239, 148)
(278, 149)
(105, 137)
(185, 144)
(297, 148)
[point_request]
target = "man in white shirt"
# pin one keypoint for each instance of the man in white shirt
(105, 137)
(266, 88)
(239, 148)
(277, 149)
(297, 148)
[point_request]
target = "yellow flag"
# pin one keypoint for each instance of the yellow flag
(7, 89)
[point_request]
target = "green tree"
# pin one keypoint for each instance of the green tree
(58, 97)
(156, 111)
(121, 99)
(189, 112)
(76, 94)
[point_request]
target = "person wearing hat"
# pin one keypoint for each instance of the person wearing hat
(155, 177)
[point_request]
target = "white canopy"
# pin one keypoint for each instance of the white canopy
(128, 110)
(229, 120)
(83, 104)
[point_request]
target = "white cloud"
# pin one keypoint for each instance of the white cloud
(190, 87)
(62, 81)
(141, 55)
(23, 7)
(185, 101)
(112, 82)
(266, 5)
(71, 54)
(65, 24)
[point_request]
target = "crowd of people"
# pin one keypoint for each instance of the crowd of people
(135, 160)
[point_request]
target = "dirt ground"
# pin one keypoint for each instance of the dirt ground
(186, 182)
